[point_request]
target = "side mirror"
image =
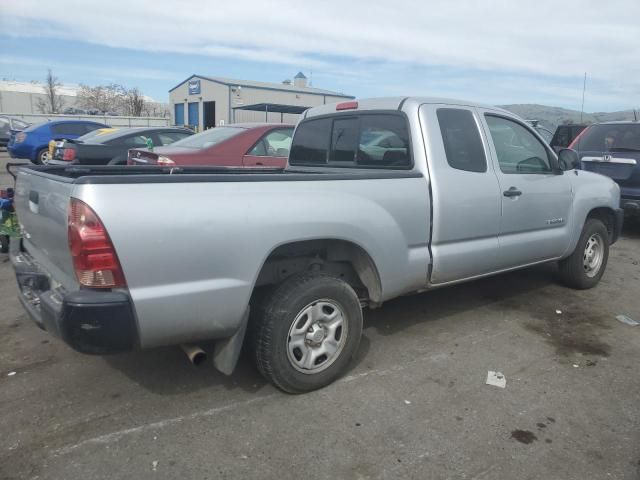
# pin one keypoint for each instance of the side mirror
(568, 159)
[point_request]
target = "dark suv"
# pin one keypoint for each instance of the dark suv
(613, 149)
(565, 134)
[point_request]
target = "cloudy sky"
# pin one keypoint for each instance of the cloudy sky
(493, 51)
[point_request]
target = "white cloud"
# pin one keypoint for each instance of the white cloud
(514, 37)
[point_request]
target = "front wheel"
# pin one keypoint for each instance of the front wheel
(585, 266)
(309, 330)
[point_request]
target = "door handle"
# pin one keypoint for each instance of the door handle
(259, 163)
(512, 192)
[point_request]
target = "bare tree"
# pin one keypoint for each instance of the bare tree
(53, 102)
(112, 98)
(134, 102)
(103, 98)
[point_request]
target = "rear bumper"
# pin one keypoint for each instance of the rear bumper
(89, 321)
(20, 150)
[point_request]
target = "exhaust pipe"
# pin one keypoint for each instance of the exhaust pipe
(197, 356)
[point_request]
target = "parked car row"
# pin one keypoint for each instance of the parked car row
(82, 142)
(611, 149)
(379, 198)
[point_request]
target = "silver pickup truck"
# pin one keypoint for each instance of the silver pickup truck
(380, 198)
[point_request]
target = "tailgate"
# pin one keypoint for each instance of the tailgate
(619, 166)
(42, 204)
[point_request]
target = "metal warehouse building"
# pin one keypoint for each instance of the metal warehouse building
(205, 102)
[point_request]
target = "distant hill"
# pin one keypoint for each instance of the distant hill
(551, 117)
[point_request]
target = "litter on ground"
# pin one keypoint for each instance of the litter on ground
(627, 320)
(11, 374)
(497, 379)
(559, 312)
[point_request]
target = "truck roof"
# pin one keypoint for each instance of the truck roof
(394, 103)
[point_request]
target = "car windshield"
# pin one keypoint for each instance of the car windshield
(610, 138)
(19, 124)
(208, 138)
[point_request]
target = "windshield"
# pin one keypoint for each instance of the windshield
(18, 124)
(610, 137)
(209, 138)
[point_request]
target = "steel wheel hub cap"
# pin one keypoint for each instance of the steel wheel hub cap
(593, 255)
(317, 336)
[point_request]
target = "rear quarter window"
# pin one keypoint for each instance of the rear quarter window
(461, 138)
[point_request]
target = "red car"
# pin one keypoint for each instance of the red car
(234, 145)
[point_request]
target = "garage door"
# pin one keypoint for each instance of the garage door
(193, 114)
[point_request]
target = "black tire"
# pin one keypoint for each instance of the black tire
(4, 244)
(40, 155)
(277, 313)
(572, 270)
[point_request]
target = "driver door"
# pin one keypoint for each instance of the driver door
(536, 202)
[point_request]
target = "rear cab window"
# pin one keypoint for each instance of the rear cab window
(354, 140)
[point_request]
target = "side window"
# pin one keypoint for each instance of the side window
(562, 137)
(311, 142)
(518, 150)
(344, 140)
(167, 138)
(384, 141)
(71, 129)
(135, 141)
(276, 143)
(4, 126)
(461, 138)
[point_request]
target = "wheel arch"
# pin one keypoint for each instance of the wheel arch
(607, 216)
(345, 258)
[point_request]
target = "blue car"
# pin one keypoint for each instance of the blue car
(33, 142)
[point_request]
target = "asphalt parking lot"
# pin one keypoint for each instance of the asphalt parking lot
(414, 404)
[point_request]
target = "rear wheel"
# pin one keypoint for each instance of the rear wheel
(585, 266)
(309, 330)
(42, 156)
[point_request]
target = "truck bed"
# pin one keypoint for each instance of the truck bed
(192, 241)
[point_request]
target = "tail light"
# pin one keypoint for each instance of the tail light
(94, 258)
(20, 137)
(162, 160)
(68, 154)
(577, 139)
